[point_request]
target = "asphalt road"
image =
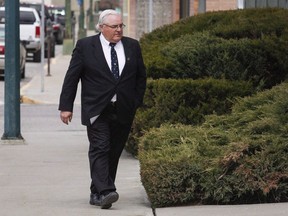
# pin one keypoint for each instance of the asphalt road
(32, 68)
(29, 120)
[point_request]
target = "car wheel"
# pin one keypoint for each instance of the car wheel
(23, 73)
(59, 38)
(37, 56)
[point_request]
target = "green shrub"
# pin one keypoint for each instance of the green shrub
(172, 164)
(234, 158)
(202, 55)
(249, 44)
(183, 101)
(230, 159)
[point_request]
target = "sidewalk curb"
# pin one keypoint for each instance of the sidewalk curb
(44, 90)
(26, 100)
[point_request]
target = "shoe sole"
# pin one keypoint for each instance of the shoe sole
(93, 203)
(106, 206)
(102, 207)
(109, 199)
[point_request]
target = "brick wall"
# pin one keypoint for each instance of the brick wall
(217, 5)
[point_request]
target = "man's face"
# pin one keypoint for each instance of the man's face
(112, 28)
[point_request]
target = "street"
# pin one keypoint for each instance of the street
(29, 115)
(32, 69)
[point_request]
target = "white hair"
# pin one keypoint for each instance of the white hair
(103, 15)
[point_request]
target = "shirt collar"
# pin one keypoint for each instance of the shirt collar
(106, 42)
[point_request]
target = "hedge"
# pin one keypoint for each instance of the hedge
(229, 159)
(184, 101)
(239, 44)
(201, 55)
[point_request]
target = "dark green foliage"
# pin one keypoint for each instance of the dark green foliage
(235, 158)
(184, 101)
(201, 55)
(239, 157)
(173, 160)
(246, 44)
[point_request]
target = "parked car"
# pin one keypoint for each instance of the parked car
(58, 14)
(30, 26)
(29, 30)
(2, 54)
(58, 30)
(48, 29)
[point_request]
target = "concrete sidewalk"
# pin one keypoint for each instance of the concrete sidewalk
(32, 92)
(40, 178)
(48, 174)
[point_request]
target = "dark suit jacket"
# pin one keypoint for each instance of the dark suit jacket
(98, 85)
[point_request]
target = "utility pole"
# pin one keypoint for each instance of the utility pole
(69, 40)
(91, 16)
(42, 38)
(12, 74)
(68, 17)
(81, 30)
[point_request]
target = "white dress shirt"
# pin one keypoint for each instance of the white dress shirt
(107, 53)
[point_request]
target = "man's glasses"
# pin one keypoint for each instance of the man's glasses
(121, 26)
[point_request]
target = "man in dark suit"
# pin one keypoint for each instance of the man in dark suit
(113, 77)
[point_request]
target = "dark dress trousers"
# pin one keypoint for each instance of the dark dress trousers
(98, 86)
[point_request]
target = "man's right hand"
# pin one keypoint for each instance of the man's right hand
(66, 116)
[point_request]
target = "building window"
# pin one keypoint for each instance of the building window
(240, 4)
(264, 3)
(184, 8)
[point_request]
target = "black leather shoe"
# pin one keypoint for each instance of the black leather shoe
(95, 200)
(107, 199)
(108, 206)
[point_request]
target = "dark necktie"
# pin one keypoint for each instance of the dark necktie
(114, 61)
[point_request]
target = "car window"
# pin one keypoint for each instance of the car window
(2, 16)
(2, 33)
(38, 8)
(27, 17)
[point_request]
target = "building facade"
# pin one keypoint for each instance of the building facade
(142, 16)
(146, 15)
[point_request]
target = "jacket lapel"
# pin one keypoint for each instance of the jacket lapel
(99, 54)
(128, 54)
